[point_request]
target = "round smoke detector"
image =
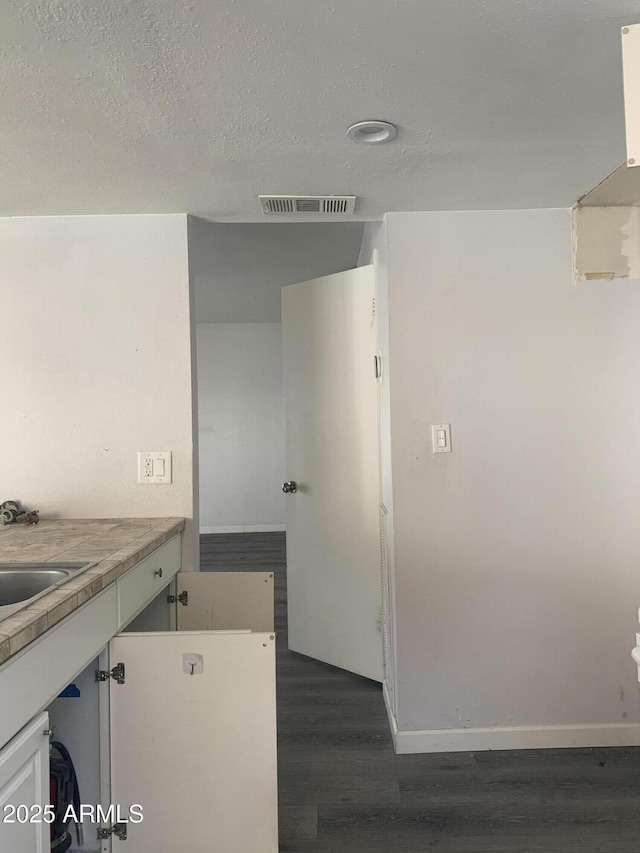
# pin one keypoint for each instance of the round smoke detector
(372, 132)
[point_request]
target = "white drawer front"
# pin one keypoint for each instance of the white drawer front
(145, 580)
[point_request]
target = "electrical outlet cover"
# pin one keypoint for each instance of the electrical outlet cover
(154, 467)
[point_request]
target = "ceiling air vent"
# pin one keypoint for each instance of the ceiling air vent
(325, 204)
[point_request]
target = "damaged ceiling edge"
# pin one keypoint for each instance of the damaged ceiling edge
(606, 243)
(606, 228)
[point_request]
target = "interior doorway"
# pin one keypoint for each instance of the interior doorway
(238, 271)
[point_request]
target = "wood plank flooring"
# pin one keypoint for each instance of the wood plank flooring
(343, 790)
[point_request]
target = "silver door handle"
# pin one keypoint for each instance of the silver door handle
(290, 488)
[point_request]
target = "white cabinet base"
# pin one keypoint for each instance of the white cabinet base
(197, 751)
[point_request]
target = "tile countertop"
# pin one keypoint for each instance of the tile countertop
(114, 544)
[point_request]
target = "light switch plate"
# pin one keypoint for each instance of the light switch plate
(441, 438)
(154, 467)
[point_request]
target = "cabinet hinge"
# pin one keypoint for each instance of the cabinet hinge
(183, 598)
(118, 829)
(117, 673)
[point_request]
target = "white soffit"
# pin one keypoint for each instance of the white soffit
(631, 72)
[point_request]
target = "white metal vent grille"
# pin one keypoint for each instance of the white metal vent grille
(278, 205)
(326, 204)
(335, 205)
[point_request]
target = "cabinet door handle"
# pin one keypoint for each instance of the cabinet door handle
(158, 572)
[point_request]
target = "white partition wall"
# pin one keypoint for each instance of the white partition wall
(516, 554)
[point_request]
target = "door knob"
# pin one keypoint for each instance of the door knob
(290, 487)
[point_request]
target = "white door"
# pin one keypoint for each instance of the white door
(224, 601)
(333, 542)
(193, 741)
(24, 782)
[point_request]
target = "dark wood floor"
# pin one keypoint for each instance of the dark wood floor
(343, 790)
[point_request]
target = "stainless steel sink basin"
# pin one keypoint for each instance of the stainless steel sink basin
(23, 583)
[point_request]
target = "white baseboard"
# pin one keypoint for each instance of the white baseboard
(245, 528)
(514, 737)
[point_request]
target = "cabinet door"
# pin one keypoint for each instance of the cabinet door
(193, 741)
(225, 601)
(24, 781)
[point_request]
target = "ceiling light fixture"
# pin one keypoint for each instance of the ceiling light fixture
(372, 132)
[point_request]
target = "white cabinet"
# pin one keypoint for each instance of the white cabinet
(24, 782)
(190, 734)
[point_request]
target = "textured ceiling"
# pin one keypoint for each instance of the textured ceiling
(239, 269)
(114, 106)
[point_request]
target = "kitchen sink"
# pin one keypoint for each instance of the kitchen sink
(23, 583)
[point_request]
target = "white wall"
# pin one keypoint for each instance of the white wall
(516, 555)
(95, 331)
(241, 426)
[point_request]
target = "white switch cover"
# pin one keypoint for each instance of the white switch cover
(154, 467)
(441, 438)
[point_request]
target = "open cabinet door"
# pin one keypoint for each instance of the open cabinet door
(224, 601)
(196, 751)
(333, 541)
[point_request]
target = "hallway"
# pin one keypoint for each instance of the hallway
(343, 790)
